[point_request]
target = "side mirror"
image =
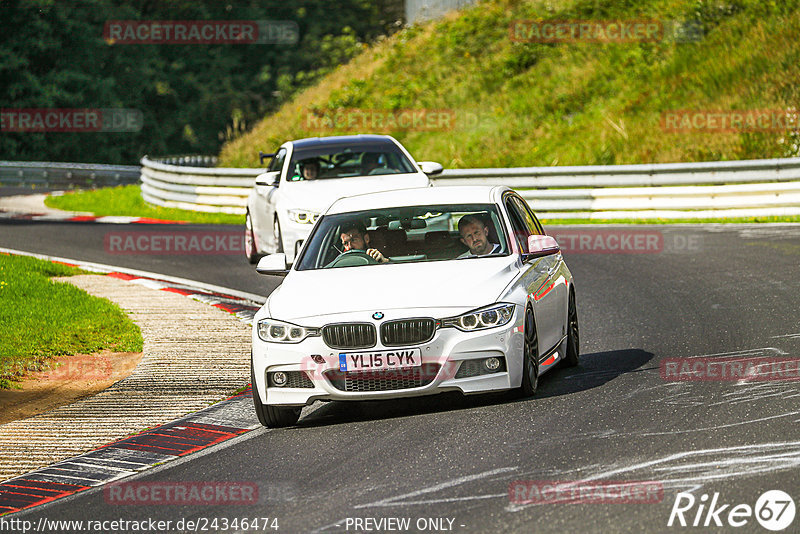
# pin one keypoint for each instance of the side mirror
(270, 179)
(274, 264)
(262, 156)
(541, 245)
(431, 168)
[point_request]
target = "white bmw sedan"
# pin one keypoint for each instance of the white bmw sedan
(306, 175)
(382, 304)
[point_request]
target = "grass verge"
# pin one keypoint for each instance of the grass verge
(127, 200)
(41, 319)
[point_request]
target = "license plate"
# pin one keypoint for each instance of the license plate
(385, 359)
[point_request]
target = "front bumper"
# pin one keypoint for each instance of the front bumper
(442, 358)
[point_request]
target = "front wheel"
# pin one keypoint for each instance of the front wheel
(250, 248)
(530, 357)
(276, 231)
(573, 334)
(272, 416)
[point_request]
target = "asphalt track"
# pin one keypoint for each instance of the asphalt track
(704, 291)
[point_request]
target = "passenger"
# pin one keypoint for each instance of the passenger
(475, 235)
(355, 237)
(369, 162)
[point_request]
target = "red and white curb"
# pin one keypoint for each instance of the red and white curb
(71, 217)
(210, 426)
(215, 424)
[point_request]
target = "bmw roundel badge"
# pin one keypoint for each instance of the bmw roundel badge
(377, 316)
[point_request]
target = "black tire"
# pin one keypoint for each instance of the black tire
(272, 416)
(250, 248)
(530, 357)
(276, 230)
(573, 334)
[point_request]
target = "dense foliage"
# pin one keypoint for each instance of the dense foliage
(528, 103)
(192, 97)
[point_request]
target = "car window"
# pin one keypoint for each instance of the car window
(277, 162)
(518, 223)
(403, 235)
(530, 220)
(345, 161)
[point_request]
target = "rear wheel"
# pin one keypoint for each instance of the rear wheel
(250, 249)
(530, 357)
(573, 334)
(272, 416)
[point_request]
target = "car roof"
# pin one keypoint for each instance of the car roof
(314, 142)
(465, 194)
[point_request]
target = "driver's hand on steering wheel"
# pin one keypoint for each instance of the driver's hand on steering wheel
(376, 255)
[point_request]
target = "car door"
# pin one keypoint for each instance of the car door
(539, 276)
(266, 197)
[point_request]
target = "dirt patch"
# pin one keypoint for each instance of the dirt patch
(74, 377)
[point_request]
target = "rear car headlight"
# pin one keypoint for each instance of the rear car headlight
(303, 216)
(274, 331)
(483, 318)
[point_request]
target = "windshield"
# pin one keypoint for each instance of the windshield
(409, 234)
(344, 161)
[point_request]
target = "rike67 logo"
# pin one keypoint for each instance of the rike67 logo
(774, 510)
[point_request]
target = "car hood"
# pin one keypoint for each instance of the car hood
(457, 285)
(317, 195)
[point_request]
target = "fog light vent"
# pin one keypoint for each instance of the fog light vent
(486, 366)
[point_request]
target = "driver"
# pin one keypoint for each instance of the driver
(355, 237)
(310, 169)
(475, 235)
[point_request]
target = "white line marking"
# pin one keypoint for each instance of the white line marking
(391, 501)
(717, 427)
(742, 353)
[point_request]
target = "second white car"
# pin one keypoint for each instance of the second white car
(305, 176)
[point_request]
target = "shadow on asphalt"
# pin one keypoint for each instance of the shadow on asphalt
(594, 370)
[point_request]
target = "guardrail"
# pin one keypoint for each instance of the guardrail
(211, 189)
(66, 175)
(675, 190)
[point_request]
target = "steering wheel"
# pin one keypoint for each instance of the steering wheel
(353, 258)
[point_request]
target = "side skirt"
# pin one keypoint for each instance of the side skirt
(552, 356)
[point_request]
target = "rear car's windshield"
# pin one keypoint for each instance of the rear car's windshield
(344, 161)
(408, 234)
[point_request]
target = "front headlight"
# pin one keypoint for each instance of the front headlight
(483, 318)
(274, 331)
(303, 216)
